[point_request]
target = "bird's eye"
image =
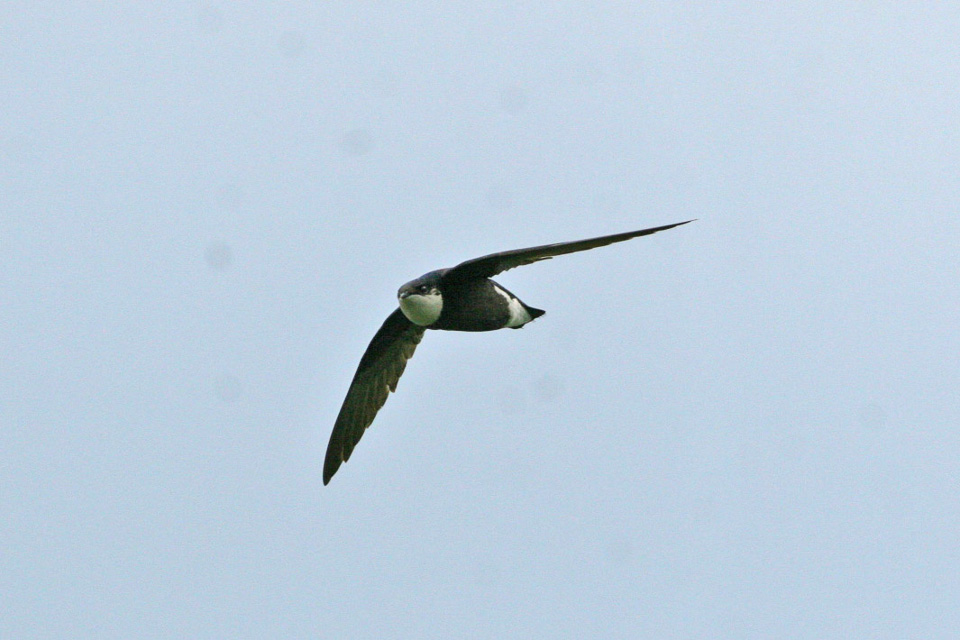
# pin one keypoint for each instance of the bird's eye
(423, 288)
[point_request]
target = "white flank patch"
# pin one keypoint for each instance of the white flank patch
(422, 310)
(518, 315)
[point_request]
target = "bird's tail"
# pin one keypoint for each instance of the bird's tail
(534, 313)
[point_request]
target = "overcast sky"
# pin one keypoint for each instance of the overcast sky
(746, 427)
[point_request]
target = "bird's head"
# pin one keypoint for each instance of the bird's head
(421, 300)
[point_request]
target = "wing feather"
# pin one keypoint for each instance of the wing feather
(379, 370)
(490, 265)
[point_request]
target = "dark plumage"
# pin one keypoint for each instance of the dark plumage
(462, 298)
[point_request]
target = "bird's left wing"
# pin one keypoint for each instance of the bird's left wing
(491, 265)
(380, 368)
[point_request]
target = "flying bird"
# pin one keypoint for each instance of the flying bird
(461, 298)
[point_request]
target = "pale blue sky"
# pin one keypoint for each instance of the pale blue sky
(747, 427)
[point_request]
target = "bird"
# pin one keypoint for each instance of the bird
(460, 298)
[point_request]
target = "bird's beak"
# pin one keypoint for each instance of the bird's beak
(403, 294)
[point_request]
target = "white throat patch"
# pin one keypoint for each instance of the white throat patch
(422, 310)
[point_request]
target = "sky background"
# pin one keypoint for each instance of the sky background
(747, 427)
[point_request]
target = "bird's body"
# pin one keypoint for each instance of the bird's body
(472, 305)
(462, 298)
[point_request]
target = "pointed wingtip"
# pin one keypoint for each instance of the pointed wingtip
(328, 471)
(330, 466)
(645, 232)
(668, 226)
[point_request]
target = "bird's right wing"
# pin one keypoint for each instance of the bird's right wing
(380, 368)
